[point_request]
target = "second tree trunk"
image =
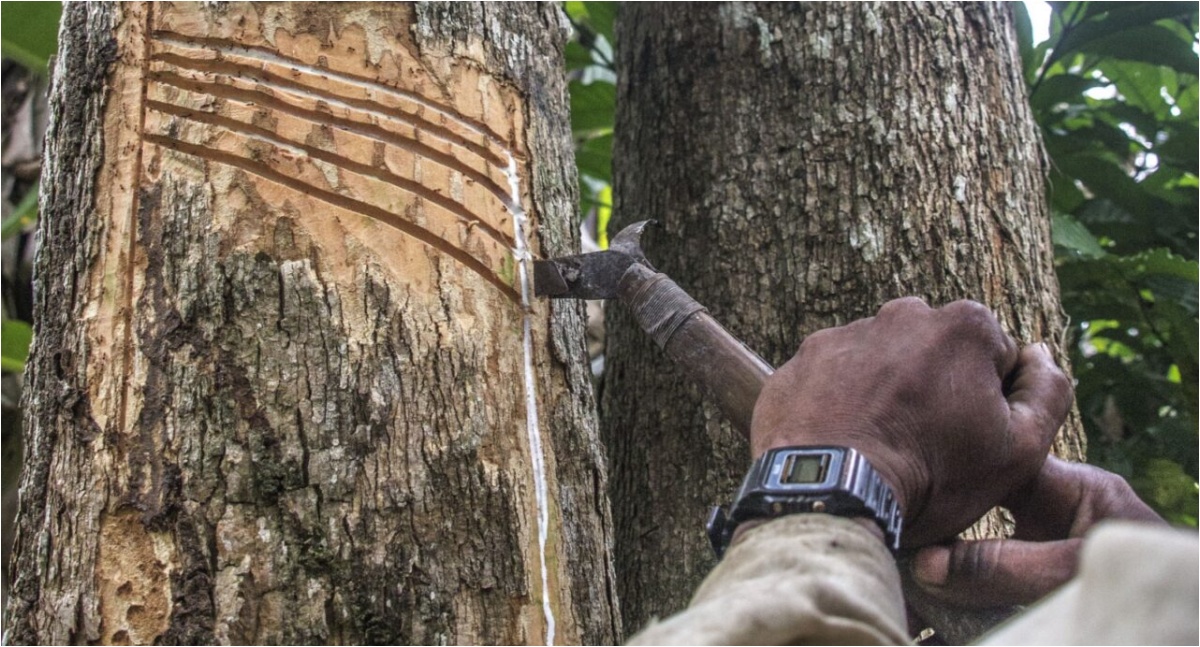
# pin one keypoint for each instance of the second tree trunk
(809, 163)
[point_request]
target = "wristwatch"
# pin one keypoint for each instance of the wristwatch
(790, 480)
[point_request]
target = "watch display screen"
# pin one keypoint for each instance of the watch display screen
(805, 469)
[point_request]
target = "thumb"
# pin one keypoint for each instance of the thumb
(995, 572)
(1038, 400)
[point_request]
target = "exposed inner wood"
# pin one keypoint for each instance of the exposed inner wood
(304, 383)
(269, 114)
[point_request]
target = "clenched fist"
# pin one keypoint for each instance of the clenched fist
(941, 402)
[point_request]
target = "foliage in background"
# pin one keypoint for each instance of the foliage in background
(593, 89)
(28, 36)
(1114, 90)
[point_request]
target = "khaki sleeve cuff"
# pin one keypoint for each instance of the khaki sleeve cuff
(800, 579)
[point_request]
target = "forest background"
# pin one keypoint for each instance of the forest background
(1114, 89)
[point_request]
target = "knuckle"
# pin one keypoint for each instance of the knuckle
(903, 305)
(821, 339)
(974, 321)
(973, 561)
(1056, 391)
(972, 314)
(1114, 485)
(1061, 379)
(1103, 487)
(1063, 386)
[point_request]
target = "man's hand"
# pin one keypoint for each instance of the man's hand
(1052, 514)
(940, 401)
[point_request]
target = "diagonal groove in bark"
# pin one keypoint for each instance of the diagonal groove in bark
(271, 79)
(372, 131)
(324, 431)
(222, 45)
(261, 134)
(342, 201)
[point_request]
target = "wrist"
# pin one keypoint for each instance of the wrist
(871, 527)
(830, 479)
(740, 533)
(868, 524)
(898, 469)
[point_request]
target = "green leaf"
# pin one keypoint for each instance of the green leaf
(1170, 183)
(1117, 283)
(29, 33)
(1179, 326)
(1169, 489)
(1115, 113)
(594, 158)
(1115, 19)
(602, 17)
(593, 107)
(1187, 100)
(1024, 27)
(1107, 178)
(577, 56)
(1093, 9)
(1149, 44)
(603, 215)
(576, 11)
(1072, 235)
(1093, 139)
(1102, 176)
(1141, 13)
(1034, 63)
(598, 17)
(1140, 83)
(1162, 262)
(1065, 197)
(1062, 88)
(16, 336)
(1180, 147)
(1175, 289)
(21, 217)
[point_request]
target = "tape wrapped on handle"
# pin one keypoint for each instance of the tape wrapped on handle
(660, 306)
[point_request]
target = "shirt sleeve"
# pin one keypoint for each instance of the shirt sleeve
(800, 579)
(1136, 585)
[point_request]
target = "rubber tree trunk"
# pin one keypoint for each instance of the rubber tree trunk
(288, 386)
(809, 162)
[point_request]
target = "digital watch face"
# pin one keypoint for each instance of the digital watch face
(804, 469)
(831, 480)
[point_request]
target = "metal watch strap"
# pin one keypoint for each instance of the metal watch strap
(849, 487)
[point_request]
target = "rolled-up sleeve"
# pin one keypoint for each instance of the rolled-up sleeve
(800, 579)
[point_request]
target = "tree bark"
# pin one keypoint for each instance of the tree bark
(288, 385)
(809, 163)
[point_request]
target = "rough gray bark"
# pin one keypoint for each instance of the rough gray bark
(278, 392)
(809, 162)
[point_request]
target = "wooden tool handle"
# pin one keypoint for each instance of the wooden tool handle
(731, 373)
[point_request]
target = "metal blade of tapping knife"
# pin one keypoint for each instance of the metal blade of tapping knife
(548, 281)
(586, 276)
(593, 275)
